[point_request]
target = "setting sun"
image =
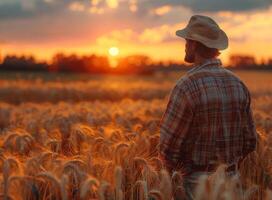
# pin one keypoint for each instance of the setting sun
(114, 51)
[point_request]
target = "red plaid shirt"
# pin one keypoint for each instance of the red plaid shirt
(208, 119)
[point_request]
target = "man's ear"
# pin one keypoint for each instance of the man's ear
(194, 45)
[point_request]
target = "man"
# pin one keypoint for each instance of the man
(208, 120)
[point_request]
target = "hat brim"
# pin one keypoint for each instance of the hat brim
(220, 43)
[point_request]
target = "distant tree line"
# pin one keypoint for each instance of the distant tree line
(22, 63)
(74, 63)
(249, 62)
(134, 64)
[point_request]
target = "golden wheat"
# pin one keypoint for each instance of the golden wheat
(99, 140)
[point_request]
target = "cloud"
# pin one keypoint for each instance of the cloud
(117, 37)
(77, 6)
(208, 5)
(133, 6)
(161, 10)
(229, 5)
(240, 27)
(14, 9)
(247, 27)
(148, 36)
(159, 34)
(112, 3)
(20, 9)
(28, 5)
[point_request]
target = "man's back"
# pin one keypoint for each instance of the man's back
(208, 119)
(212, 107)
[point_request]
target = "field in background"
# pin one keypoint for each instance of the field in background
(82, 137)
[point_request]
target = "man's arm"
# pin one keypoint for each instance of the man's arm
(174, 127)
(249, 130)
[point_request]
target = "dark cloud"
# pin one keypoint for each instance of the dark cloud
(208, 5)
(17, 9)
(229, 5)
(59, 23)
(14, 9)
(54, 23)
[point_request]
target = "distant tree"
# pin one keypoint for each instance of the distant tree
(73, 63)
(135, 64)
(269, 62)
(69, 63)
(242, 61)
(1, 57)
(96, 64)
(22, 63)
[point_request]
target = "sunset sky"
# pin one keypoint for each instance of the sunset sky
(45, 27)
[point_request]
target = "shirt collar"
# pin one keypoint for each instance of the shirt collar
(208, 62)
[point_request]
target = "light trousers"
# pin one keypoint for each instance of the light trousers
(191, 182)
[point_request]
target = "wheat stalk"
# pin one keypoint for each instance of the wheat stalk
(86, 185)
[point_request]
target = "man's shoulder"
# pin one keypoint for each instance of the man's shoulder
(231, 74)
(234, 77)
(206, 76)
(216, 72)
(183, 82)
(191, 77)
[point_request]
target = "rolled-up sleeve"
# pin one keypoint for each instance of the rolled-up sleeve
(174, 127)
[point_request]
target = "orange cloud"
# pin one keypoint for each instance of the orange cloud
(249, 32)
(116, 37)
(112, 3)
(148, 36)
(133, 7)
(96, 10)
(161, 10)
(77, 6)
(252, 25)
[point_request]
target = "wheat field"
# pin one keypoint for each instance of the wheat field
(97, 138)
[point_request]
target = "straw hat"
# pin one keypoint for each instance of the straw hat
(206, 31)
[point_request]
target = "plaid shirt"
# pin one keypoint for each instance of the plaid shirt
(208, 119)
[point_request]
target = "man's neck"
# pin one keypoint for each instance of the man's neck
(200, 60)
(203, 62)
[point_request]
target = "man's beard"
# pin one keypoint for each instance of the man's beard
(190, 58)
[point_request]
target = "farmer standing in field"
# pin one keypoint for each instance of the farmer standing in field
(208, 120)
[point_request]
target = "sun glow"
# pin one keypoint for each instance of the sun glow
(114, 51)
